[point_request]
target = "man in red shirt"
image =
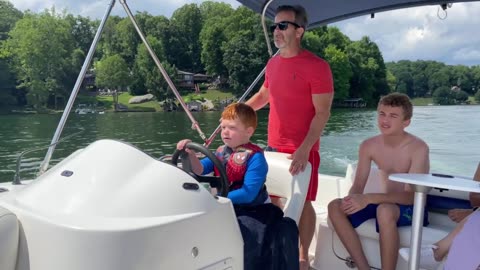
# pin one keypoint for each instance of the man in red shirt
(299, 87)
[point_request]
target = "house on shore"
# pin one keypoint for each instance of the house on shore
(187, 79)
(350, 103)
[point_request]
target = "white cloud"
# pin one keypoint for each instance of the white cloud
(418, 33)
(415, 33)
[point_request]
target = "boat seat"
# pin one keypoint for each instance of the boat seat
(438, 203)
(9, 231)
(282, 184)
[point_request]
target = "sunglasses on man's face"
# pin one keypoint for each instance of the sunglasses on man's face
(282, 26)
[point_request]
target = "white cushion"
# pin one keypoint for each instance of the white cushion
(282, 184)
(8, 239)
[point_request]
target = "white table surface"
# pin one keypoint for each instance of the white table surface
(428, 180)
(422, 183)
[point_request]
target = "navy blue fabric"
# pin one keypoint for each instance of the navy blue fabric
(435, 202)
(369, 212)
(270, 240)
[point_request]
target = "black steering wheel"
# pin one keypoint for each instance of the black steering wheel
(220, 182)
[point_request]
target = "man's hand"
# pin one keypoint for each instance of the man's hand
(353, 203)
(458, 215)
(299, 161)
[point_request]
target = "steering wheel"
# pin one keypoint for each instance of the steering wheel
(219, 182)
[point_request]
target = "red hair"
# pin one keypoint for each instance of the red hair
(243, 112)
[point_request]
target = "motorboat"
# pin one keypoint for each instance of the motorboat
(112, 206)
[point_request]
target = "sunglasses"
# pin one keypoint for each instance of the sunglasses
(282, 26)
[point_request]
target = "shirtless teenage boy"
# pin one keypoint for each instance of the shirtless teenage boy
(393, 151)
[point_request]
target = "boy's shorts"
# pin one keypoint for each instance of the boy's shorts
(369, 212)
(314, 159)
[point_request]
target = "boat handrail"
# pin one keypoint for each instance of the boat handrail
(86, 64)
(165, 75)
(16, 178)
(76, 89)
(260, 75)
(264, 26)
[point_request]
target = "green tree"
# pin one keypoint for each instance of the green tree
(7, 84)
(334, 36)
(212, 53)
(463, 78)
(9, 15)
(112, 72)
(341, 71)
(40, 46)
(477, 97)
(461, 97)
(188, 22)
(391, 80)
(439, 79)
(148, 72)
(245, 52)
(443, 96)
(475, 74)
(109, 45)
(312, 42)
(83, 31)
(127, 38)
(369, 72)
(212, 37)
(152, 25)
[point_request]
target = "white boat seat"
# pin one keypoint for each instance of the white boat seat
(8, 239)
(282, 184)
(440, 225)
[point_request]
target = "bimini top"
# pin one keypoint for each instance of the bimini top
(322, 12)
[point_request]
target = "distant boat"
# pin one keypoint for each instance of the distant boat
(84, 109)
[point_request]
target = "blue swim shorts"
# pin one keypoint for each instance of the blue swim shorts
(369, 212)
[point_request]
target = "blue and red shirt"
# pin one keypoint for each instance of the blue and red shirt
(246, 168)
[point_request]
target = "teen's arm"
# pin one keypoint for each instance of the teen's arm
(475, 197)
(363, 168)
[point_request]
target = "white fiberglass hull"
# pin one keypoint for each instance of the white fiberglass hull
(111, 206)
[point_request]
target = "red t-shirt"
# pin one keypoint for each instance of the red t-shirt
(291, 82)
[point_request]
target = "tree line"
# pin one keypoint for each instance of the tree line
(447, 84)
(41, 55)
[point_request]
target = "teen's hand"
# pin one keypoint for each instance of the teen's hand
(299, 161)
(458, 215)
(353, 203)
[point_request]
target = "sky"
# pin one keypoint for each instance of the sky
(412, 34)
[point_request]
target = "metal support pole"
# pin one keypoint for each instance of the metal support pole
(265, 30)
(76, 88)
(162, 70)
(417, 224)
(242, 98)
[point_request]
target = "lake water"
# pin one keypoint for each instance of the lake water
(452, 132)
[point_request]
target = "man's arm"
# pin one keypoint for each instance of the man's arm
(259, 100)
(322, 104)
(475, 197)
(420, 164)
